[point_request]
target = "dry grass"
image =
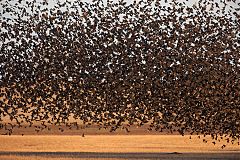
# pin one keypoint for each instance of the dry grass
(116, 143)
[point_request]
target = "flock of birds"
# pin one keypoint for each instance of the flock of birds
(173, 67)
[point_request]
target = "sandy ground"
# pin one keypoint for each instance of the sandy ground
(62, 143)
(114, 143)
(113, 147)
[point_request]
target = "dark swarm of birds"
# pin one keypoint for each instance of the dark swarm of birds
(164, 64)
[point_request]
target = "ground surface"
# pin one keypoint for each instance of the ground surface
(62, 143)
(113, 147)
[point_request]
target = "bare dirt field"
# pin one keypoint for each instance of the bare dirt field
(62, 143)
(113, 147)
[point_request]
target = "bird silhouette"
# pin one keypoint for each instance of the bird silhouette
(173, 67)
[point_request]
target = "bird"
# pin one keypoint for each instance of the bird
(174, 67)
(223, 146)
